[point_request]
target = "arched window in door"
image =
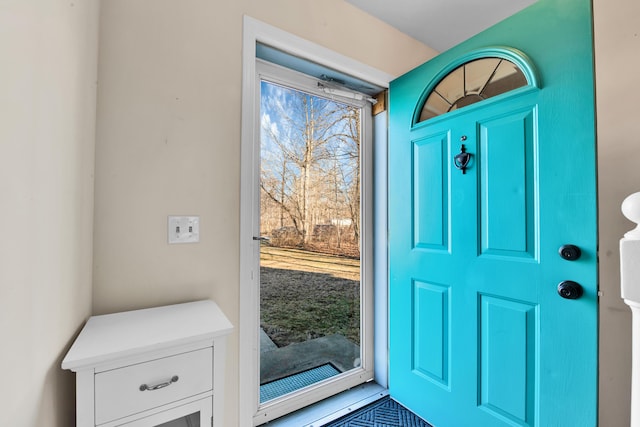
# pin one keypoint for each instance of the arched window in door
(472, 82)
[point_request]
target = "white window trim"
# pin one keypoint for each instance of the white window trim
(256, 31)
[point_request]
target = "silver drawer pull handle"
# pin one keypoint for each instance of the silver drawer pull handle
(173, 379)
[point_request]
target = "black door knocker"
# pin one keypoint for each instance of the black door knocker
(461, 160)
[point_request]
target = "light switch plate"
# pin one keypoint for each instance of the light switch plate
(183, 229)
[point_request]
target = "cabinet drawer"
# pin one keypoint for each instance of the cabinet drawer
(121, 392)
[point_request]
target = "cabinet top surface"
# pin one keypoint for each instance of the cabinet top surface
(111, 336)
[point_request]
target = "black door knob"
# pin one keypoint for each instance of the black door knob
(570, 290)
(569, 252)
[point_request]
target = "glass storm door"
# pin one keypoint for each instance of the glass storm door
(311, 284)
(492, 322)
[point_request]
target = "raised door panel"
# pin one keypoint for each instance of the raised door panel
(430, 175)
(431, 332)
(507, 188)
(509, 360)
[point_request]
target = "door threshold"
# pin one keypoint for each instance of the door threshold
(332, 408)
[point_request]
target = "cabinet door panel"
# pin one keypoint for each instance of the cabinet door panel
(195, 414)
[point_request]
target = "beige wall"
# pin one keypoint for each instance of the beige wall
(617, 53)
(168, 140)
(48, 52)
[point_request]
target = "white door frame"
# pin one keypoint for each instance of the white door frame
(256, 31)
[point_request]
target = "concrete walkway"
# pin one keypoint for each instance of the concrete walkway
(265, 342)
(277, 363)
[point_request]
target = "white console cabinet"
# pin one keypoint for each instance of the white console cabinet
(157, 367)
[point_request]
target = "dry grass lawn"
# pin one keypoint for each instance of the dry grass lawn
(306, 295)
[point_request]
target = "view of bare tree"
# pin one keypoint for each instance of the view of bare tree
(310, 171)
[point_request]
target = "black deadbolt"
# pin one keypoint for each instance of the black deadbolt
(569, 252)
(570, 290)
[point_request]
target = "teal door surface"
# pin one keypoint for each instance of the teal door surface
(479, 333)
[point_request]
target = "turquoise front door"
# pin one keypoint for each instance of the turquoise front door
(491, 323)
